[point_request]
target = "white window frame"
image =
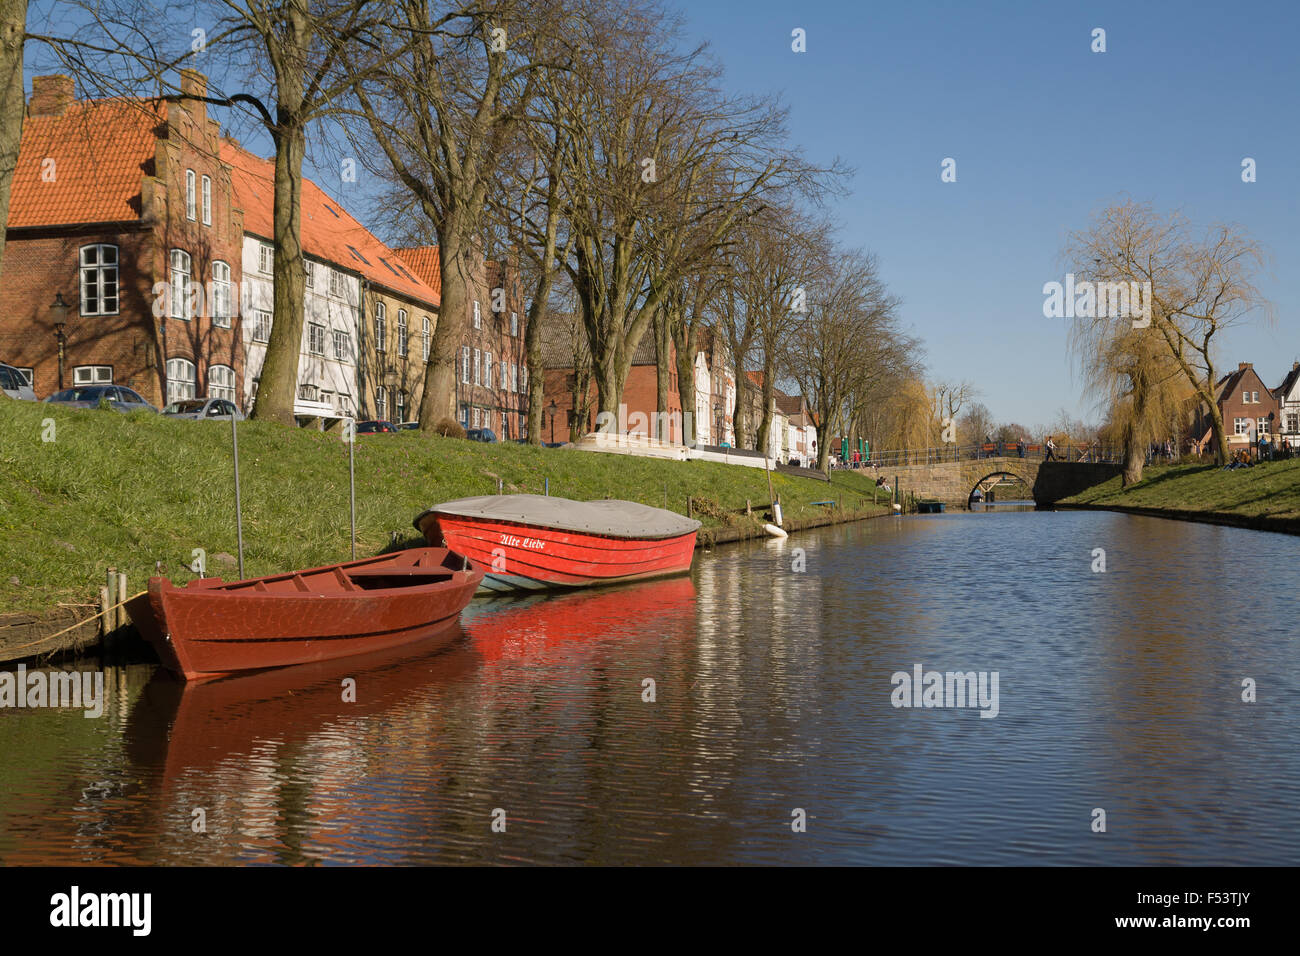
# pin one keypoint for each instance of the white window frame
(399, 405)
(180, 387)
(336, 283)
(514, 323)
(487, 369)
(381, 402)
(182, 276)
(266, 258)
(1240, 426)
(342, 346)
(464, 364)
(381, 326)
(401, 332)
(262, 324)
(221, 384)
(221, 310)
(426, 333)
(514, 377)
(315, 338)
(478, 316)
(478, 367)
(308, 274)
(191, 203)
(92, 375)
(207, 200)
(98, 275)
(505, 376)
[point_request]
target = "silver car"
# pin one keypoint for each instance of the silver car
(216, 409)
(14, 383)
(119, 398)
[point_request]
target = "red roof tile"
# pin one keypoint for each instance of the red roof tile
(98, 153)
(329, 232)
(424, 262)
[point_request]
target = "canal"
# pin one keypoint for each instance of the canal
(743, 715)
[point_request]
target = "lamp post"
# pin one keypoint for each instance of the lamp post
(717, 418)
(552, 409)
(60, 310)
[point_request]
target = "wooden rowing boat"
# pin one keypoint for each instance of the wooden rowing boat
(210, 627)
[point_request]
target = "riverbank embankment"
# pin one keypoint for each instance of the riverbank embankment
(1264, 497)
(82, 491)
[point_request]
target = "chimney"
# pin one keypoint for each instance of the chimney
(51, 95)
(193, 83)
(1242, 366)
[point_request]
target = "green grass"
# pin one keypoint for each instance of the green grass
(1268, 490)
(129, 490)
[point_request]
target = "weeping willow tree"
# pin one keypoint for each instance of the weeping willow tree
(1138, 383)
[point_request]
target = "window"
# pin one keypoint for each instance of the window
(309, 274)
(464, 364)
(505, 426)
(1240, 426)
(345, 403)
(401, 406)
(180, 287)
(308, 392)
(514, 377)
(189, 195)
(505, 376)
(265, 259)
(381, 402)
(336, 283)
(207, 200)
(476, 418)
(342, 346)
(180, 380)
(1262, 425)
(401, 331)
(327, 398)
(487, 369)
(426, 338)
(1292, 419)
(514, 323)
(92, 375)
(1254, 398)
(221, 310)
(221, 382)
(478, 368)
(478, 316)
(315, 338)
(523, 377)
(261, 326)
(99, 280)
(464, 416)
(381, 327)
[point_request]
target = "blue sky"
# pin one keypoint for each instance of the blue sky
(1044, 132)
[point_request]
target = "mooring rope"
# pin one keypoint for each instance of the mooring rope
(51, 637)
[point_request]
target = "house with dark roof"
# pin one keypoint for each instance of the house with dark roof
(123, 246)
(1287, 396)
(1248, 407)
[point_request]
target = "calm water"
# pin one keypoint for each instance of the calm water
(1118, 690)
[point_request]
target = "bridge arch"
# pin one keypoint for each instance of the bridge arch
(983, 485)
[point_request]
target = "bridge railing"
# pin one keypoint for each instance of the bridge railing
(1035, 451)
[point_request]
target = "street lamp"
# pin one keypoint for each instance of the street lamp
(717, 418)
(60, 310)
(552, 410)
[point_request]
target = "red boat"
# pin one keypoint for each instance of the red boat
(536, 542)
(210, 628)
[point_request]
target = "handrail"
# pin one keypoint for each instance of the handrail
(1029, 451)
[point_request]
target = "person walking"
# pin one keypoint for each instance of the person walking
(1051, 450)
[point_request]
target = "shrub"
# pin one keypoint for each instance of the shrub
(449, 428)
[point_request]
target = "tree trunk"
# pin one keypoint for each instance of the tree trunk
(769, 392)
(13, 24)
(1220, 435)
(439, 399)
(533, 362)
(1134, 458)
(278, 386)
(684, 338)
(663, 371)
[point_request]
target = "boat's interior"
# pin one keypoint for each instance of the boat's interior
(402, 569)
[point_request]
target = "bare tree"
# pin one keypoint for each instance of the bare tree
(13, 33)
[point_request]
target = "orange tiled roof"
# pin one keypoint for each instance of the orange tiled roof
(424, 262)
(329, 232)
(100, 152)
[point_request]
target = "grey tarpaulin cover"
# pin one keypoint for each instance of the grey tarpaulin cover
(616, 519)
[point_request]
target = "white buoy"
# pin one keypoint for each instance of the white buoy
(774, 531)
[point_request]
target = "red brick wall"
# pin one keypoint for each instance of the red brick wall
(639, 395)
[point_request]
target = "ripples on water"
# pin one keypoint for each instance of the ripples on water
(1118, 690)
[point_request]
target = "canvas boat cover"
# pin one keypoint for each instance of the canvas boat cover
(612, 518)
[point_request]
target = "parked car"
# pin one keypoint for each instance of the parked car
(14, 383)
(375, 427)
(119, 397)
(481, 434)
(213, 408)
(409, 426)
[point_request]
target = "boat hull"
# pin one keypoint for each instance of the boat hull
(214, 628)
(518, 557)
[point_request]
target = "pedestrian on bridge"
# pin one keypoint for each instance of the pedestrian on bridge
(1051, 450)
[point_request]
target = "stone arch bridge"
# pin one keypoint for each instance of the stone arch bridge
(954, 481)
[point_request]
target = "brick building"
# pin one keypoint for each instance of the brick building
(1249, 409)
(123, 209)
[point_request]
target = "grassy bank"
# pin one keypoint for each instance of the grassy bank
(129, 490)
(1266, 496)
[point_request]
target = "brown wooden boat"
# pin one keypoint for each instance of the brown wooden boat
(210, 628)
